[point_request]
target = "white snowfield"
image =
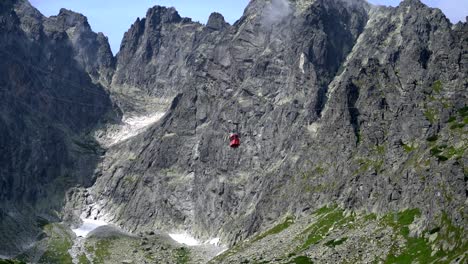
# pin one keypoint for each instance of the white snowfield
(214, 241)
(133, 126)
(88, 226)
(186, 239)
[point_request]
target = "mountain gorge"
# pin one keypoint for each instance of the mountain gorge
(352, 119)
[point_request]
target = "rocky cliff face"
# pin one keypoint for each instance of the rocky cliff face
(151, 63)
(49, 103)
(338, 103)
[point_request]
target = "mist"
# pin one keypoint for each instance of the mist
(276, 11)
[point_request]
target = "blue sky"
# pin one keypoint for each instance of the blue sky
(114, 17)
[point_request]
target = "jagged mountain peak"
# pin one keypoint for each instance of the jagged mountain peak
(160, 14)
(25, 8)
(216, 22)
(413, 3)
(70, 18)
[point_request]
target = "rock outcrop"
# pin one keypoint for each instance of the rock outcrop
(48, 105)
(151, 64)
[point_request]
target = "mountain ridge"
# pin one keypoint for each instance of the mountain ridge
(336, 103)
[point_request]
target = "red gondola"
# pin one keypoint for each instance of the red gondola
(234, 140)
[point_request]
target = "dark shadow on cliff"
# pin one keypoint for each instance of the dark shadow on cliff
(48, 107)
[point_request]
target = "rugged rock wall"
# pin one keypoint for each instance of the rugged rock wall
(151, 63)
(48, 104)
(337, 102)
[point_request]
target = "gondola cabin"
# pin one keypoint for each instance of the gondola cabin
(234, 140)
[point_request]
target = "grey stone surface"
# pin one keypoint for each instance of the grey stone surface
(327, 99)
(48, 104)
(337, 102)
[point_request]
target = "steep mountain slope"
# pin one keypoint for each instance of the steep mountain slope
(48, 104)
(339, 103)
(258, 74)
(334, 107)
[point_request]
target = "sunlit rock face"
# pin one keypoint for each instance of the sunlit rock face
(337, 102)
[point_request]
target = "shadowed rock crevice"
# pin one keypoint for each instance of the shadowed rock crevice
(352, 97)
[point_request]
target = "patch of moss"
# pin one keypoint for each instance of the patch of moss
(335, 242)
(370, 217)
(407, 217)
(421, 249)
(149, 256)
(317, 171)
(380, 149)
(301, 260)
(446, 104)
(414, 246)
(182, 255)
(454, 152)
(437, 86)
(463, 112)
(408, 147)
(452, 235)
(82, 259)
(276, 229)
(58, 244)
(318, 230)
(433, 138)
(436, 151)
(431, 115)
(241, 246)
(444, 152)
(11, 261)
(401, 220)
(415, 249)
(457, 126)
(101, 250)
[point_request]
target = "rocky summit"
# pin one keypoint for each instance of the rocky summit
(352, 120)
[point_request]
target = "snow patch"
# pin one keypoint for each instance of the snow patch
(214, 241)
(88, 226)
(301, 63)
(132, 126)
(185, 238)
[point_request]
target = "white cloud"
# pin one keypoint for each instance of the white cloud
(276, 11)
